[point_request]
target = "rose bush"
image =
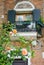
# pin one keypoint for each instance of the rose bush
(8, 52)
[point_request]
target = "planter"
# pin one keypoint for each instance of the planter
(19, 61)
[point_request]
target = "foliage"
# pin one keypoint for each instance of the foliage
(8, 26)
(24, 44)
(42, 19)
(6, 57)
(4, 41)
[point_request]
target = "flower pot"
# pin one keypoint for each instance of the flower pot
(19, 61)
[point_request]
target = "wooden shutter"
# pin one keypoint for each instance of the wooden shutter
(36, 15)
(11, 16)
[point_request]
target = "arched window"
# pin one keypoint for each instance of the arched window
(24, 6)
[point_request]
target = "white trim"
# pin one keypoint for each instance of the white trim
(27, 35)
(26, 9)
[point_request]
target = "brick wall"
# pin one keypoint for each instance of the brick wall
(1, 10)
(10, 4)
(38, 59)
(6, 5)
